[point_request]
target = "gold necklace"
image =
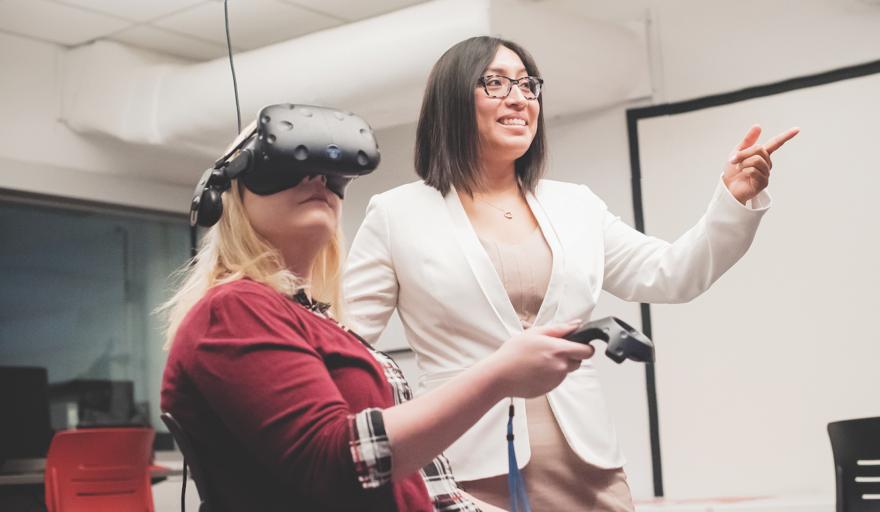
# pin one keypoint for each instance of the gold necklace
(507, 213)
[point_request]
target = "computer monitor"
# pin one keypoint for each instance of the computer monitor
(83, 403)
(25, 431)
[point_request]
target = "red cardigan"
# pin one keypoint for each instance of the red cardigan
(265, 387)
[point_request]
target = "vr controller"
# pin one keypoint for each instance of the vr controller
(623, 341)
(288, 143)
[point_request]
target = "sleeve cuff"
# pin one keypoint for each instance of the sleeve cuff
(759, 204)
(370, 448)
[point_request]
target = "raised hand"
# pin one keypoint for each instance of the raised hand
(748, 169)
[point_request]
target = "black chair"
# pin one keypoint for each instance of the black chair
(856, 447)
(189, 460)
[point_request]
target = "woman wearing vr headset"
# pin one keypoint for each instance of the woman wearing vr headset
(482, 248)
(287, 408)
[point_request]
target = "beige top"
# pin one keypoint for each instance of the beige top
(556, 478)
(524, 269)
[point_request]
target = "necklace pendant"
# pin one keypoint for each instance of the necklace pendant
(508, 215)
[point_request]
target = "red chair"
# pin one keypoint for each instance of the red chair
(100, 470)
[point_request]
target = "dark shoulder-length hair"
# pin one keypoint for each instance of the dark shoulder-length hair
(447, 140)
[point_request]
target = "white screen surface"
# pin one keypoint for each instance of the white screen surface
(750, 373)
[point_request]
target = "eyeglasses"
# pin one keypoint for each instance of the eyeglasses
(498, 86)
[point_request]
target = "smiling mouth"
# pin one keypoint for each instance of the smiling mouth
(513, 121)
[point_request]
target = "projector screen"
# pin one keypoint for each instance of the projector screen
(750, 373)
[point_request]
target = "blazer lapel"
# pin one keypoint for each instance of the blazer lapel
(481, 266)
(554, 288)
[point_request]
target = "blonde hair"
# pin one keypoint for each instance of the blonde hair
(232, 249)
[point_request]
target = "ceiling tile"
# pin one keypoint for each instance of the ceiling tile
(56, 22)
(160, 40)
(621, 10)
(351, 11)
(134, 10)
(252, 24)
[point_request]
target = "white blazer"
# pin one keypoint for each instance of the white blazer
(417, 251)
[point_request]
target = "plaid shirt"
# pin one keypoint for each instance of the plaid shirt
(370, 447)
(371, 450)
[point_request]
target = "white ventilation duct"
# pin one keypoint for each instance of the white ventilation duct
(376, 68)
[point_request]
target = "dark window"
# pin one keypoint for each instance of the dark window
(79, 286)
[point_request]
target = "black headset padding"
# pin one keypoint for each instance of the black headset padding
(210, 207)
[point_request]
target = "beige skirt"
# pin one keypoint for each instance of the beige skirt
(556, 478)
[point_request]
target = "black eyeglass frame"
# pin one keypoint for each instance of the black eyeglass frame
(510, 83)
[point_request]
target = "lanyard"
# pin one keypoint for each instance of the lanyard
(519, 500)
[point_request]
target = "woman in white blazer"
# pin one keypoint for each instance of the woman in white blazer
(481, 248)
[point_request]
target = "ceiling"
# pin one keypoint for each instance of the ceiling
(192, 29)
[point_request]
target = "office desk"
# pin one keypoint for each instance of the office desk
(157, 474)
(808, 503)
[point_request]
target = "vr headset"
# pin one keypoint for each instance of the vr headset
(289, 143)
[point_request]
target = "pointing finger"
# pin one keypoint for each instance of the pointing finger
(750, 138)
(777, 142)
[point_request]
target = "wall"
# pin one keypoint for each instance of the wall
(710, 47)
(39, 154)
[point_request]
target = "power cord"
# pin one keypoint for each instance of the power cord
(231, 65)
(193, 230)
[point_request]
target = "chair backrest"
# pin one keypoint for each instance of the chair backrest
(100, 470)
(856, 447)
(184, 442)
